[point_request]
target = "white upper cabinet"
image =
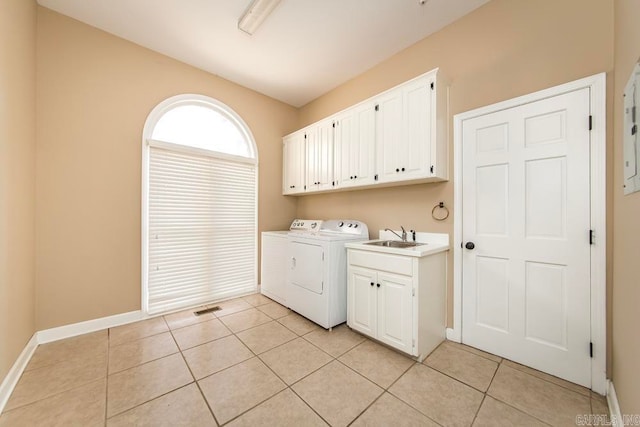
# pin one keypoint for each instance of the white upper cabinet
(411, 132)
(354, 138)
(319, 156)
(293, 179)
(397, 137)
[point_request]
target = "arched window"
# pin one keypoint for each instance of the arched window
(199, 210)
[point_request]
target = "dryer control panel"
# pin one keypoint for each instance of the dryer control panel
(308, 225)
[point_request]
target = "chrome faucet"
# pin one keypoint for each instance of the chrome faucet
(404, 233)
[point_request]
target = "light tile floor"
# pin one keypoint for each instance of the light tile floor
(257, 363)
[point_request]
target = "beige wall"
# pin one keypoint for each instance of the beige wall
(94, 94)
(626, 224)
(95, 91)
(502, 50)
(17, 175)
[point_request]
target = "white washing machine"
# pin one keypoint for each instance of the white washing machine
(317, 273)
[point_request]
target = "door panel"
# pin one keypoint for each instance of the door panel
(526, 285)
(546, 304)
(546, 201)
(395, 311)
(362, 300)
(492, 210)
(415, 157)
(391, 140)
(307, 266)
(492, 293)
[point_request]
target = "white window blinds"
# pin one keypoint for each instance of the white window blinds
(202, 228)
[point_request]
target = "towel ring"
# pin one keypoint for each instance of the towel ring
(440, 206)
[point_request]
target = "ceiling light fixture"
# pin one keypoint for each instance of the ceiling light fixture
(255, 15)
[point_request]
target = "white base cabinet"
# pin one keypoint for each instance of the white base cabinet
(398, 300)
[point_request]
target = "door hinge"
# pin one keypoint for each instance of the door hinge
(413, 343)
(377, 108)
(333, 125)
(375, 178)
(591, 237)
(591, 349)
(431, 169)
(590, 122)
(431, 85)
(413, 292)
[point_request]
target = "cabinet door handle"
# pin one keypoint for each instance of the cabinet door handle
(378, 284)
(371, 283)
(402, 169)
(397, 170)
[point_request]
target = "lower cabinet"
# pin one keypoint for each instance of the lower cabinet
(398, 300)
(381, 304)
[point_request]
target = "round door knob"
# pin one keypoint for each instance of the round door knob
(402, 169)
(470, 245)
(397, 170)
(371, 283)
(378, 284)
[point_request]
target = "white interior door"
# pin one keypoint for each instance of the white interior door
(526, 210)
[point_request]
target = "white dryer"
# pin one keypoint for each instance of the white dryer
(275, 257)
(317, 274)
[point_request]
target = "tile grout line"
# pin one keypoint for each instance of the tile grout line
(66, 390)
(506, 403)
(287, 386)
(195, 381)
(402, 400)
(475, 416)
(152, 399)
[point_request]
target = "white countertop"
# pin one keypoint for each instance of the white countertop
(430, 243)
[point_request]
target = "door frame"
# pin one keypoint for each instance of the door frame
(597, 86)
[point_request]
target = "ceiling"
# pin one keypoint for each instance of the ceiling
(304, 49)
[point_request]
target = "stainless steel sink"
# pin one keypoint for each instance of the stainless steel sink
(394, 244)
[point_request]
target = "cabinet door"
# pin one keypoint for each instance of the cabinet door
(311, 159)
(390, 138)
(343, 135)
(319, 156)
(395, 311)
(325, 155)
(362, 305)
(363, 161)
(404, 131)
(293, 151)
(417, 116)
(355, 134)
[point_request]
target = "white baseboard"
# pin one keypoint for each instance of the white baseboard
(614, 406)
(68, 331)
(454, 335)
(10, 381)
